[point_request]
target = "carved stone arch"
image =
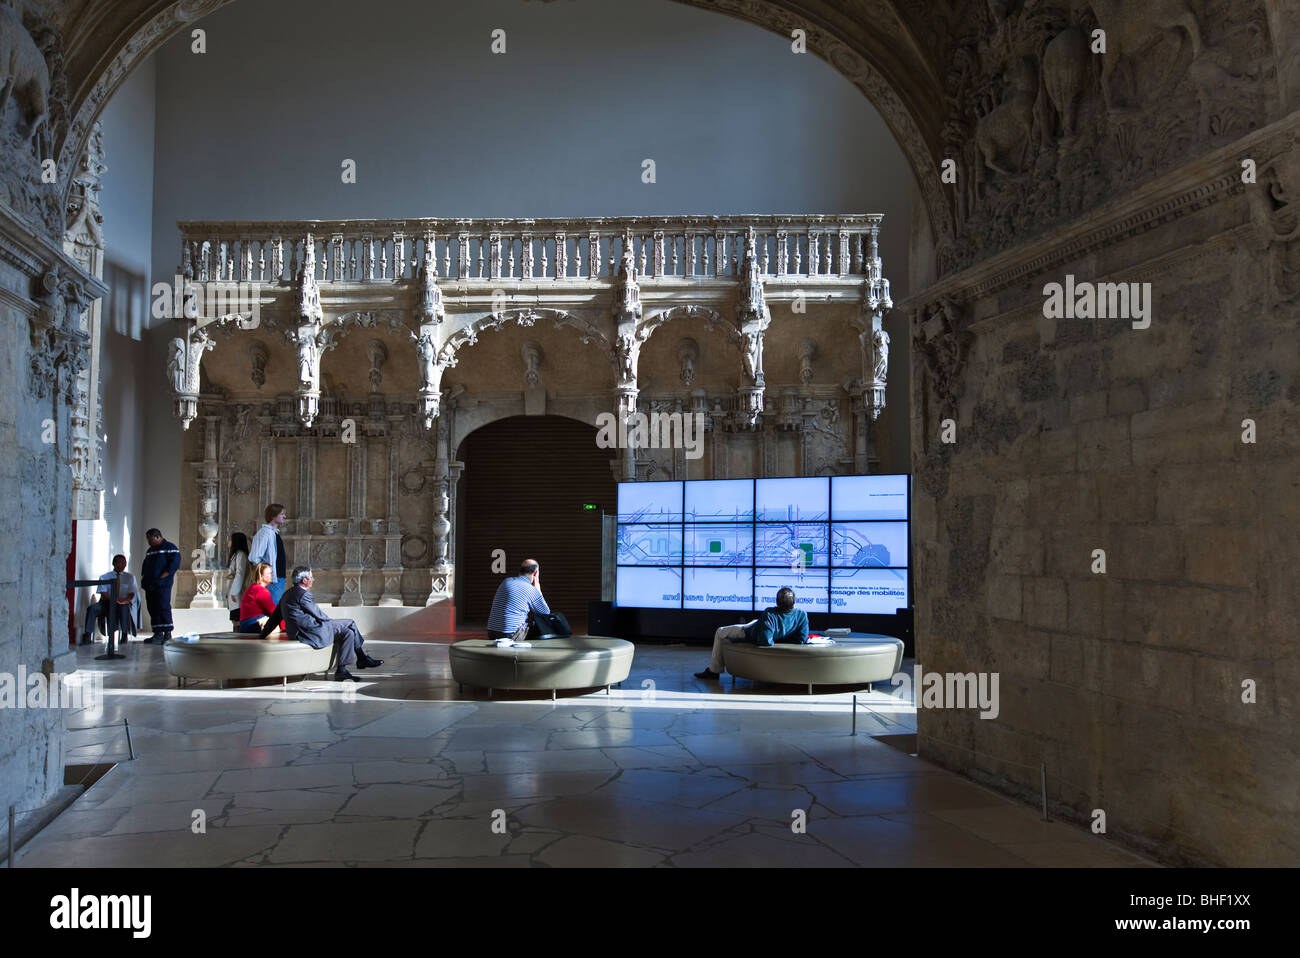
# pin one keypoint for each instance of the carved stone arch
(467, 423)
(588, 333)
(712, 319)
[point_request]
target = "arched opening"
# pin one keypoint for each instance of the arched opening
(525, 488)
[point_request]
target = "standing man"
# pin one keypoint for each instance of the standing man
(268, 547)
(157, 576)
(515, 598)
(121, 584)
(305, 621)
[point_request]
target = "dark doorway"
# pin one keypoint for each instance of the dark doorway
(525, 482)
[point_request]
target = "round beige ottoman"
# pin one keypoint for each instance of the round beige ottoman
(237, 655)
(576, 662)
(860, 659)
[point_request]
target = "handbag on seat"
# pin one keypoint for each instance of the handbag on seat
(549, 626)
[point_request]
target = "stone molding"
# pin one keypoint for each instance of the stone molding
(1214, 178)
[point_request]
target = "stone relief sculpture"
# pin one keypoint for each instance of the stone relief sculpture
(943, 347)
(1275, 212)
(26, 79)
(1064, 75)
(1003, 135)
(1133, 28)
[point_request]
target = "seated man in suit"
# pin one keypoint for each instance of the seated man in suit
(782, 623)
(304, 621)
(121, 618)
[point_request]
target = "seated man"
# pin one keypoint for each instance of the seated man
(101, 607)
(515, 598)
(304, 621)
(783, 623)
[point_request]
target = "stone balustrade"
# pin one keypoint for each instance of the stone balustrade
(496, 250)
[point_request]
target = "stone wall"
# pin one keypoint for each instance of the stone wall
(1160, 687)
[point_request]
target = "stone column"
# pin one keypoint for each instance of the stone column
(392, 571)
(205, 596)
(353, 565)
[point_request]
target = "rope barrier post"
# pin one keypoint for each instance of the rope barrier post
(855, 715)
(11, 837)
(129, 747)
(1042, 778)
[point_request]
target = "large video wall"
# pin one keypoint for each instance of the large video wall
(840, 542)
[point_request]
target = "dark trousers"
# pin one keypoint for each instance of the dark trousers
(159, 601)
(102, 610)
(493, 635)
(94, 612)
(347, 640)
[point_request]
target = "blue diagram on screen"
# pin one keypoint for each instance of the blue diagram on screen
(840, 542)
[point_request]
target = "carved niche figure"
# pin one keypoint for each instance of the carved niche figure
(688, 351)
(200, 342)
(752, 354)
(627, 350)
(879, 355)
(532, 354)
(26, 78)
(176, 365)
(428, 359)
(258, 354)
(807, 351)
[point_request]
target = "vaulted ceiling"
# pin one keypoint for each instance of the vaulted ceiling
(890, 50)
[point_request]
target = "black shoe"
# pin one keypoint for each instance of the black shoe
(343, 675)
(708, 675)
(366, 662)
(85, 640)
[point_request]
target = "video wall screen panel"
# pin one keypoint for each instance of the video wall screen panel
(649, 502)
(841, 542)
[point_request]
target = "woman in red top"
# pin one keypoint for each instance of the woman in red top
(257, 604)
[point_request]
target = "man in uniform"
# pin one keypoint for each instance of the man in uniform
(157, 576)
(118, 584)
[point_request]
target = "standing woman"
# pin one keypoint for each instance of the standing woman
(237, 574)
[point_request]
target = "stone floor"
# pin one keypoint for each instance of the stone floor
(667, 770)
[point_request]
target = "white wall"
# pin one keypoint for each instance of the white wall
(257, 127)
(126, 202)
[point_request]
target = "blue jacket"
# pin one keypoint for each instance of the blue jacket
(164, 557)
(777, 626)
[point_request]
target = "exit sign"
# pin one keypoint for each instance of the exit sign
(588, 507)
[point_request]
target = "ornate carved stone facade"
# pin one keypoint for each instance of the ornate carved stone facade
(379, 346)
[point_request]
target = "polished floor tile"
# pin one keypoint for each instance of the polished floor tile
(404, 769)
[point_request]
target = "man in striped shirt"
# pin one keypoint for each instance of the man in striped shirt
(515, 598)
